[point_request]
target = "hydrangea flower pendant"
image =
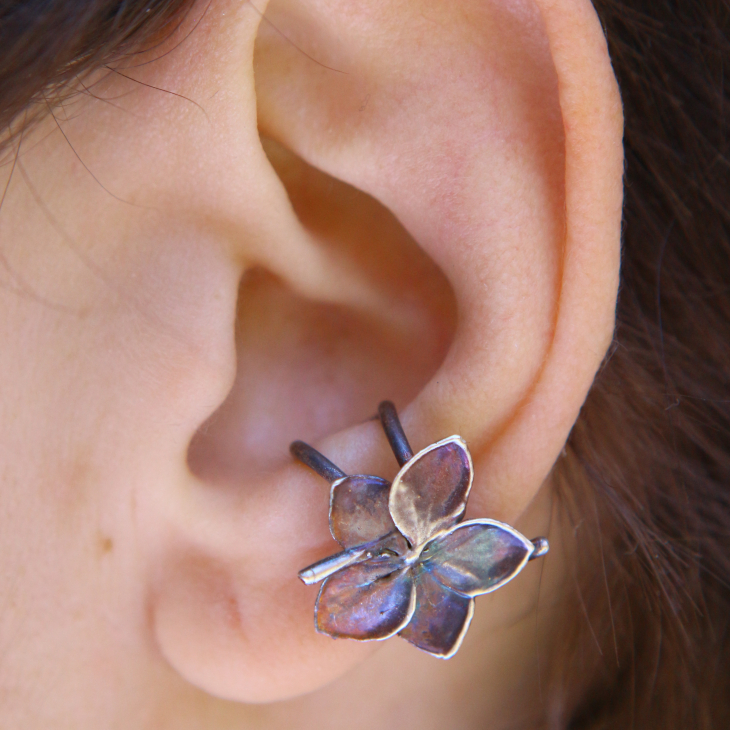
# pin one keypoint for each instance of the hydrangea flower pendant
(410, 566)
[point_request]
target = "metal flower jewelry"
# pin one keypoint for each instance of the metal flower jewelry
(410, 566)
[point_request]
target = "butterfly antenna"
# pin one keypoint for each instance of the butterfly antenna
(395, 433)
(310, 457)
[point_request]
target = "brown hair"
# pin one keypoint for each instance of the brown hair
(644, 478)
(47, 45)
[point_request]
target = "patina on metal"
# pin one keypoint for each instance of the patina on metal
(409, 564)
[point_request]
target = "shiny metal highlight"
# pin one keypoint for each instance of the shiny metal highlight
(542, 547)
(328, 566)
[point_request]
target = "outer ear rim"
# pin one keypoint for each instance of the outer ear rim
(591, 109)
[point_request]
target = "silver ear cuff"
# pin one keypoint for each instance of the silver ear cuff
(409, 565)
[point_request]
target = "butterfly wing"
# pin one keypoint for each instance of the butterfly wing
(429, 493)
(476, 557)
(367, 601)
(359, 510)
(441, 618)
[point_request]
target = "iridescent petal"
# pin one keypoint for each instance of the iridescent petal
(441, 618)
(430, 492)
(359, 510)
(374, 599)
(477, 557)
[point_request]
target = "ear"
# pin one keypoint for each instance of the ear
(461, 164)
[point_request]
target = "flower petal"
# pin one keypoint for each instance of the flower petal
(477, 557)
(374, 599)
(429, 493)
(359, 510)
(441, 619)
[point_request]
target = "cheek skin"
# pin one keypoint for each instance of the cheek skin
(99, 406)
(117, 330)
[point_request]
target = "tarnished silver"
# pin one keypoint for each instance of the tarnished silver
(409, 564)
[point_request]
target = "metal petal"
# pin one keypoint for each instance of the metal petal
(370, 600)
(441, 619)
(359, 510)
(429, 493)
(477, 557)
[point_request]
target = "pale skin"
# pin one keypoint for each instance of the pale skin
(428, 211)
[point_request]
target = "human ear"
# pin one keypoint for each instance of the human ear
(433, 217)
(487, 192)
(491, 138)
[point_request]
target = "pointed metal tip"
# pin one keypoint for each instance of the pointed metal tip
(325, 568)
(542, 547)
(307, 576)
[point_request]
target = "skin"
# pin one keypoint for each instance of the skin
(188, 284)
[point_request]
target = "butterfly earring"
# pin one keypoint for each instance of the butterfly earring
(409, 565)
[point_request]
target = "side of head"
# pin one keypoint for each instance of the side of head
(252, 231)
